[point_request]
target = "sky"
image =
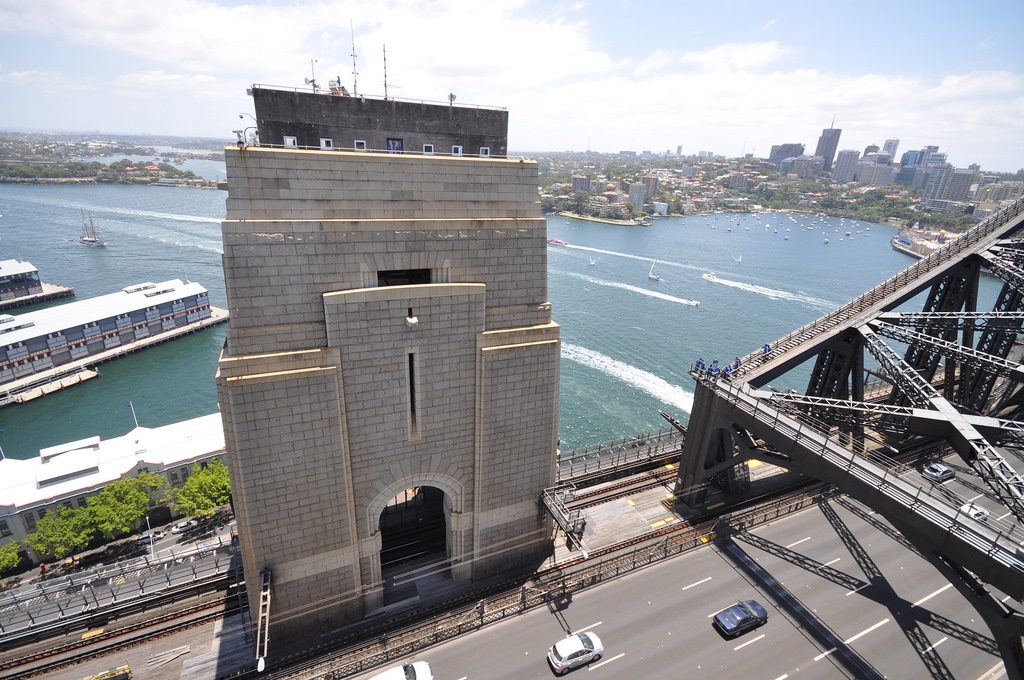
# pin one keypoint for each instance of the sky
(729, 77)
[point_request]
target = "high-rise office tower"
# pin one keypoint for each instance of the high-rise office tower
(827, 144)
(890, 147)
(781, 152)
(845, 168)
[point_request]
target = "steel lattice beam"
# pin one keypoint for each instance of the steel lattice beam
(908, 381)
(1007, 271)
(969, 443)
(967, 355)
(955, 320)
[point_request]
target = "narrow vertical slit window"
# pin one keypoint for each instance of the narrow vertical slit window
(414, 432)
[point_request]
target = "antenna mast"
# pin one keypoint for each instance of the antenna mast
(355, 74)
(385, 71)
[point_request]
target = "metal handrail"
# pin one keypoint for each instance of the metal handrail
(329, 93)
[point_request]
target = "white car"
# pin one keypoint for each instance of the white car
(181, 527)
(974, 511)
(574, 651)
(417, 670)
(150, 536)
(937, 472)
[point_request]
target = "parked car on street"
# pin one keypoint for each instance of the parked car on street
(741, 617)
(937, 472)
(417, 670)
(182, 527)
(974, 511)
(574, 651)
(150, 536)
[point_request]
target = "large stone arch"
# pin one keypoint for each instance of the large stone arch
(458, 529)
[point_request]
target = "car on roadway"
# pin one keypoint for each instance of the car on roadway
(182, 527)
(417, 670)
(974, 511)
(574, 651)
(150, 536)
(737, 619)
(937, 472)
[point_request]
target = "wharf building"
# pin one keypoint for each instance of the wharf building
(389, 381)
(39, 341)
(18, 279)
(20, 285)
(66, 475)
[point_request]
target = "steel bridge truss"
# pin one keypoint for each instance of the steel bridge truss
(956, 380)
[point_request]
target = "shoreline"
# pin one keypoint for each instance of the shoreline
(601, 220)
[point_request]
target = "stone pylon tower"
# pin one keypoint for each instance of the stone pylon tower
(390, 332)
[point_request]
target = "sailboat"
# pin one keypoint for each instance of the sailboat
(89, 236)
(592, 263)
(651, 275)
(739, 259)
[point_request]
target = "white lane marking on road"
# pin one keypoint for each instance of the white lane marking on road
(974, 498)
(598, 665)
(996, 671)
(697, 583)
(783, 676)
(824, 654)
(866, 631)
(1005, 599)
(930, 648)
(928, 597)
(831, 562)
(858, 588)
(1002, 517)
(748, 642)
(798, 542)
(593, 625)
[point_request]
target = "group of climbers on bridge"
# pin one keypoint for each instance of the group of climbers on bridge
(714, 371)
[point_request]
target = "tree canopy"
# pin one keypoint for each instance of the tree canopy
(61, 532)
(205, 490)
(9, 556)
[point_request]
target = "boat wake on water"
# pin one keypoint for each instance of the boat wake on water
(630, 256)
(625, 286)
(659, 388)
(772, 293)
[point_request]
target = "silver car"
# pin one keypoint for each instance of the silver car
(937, 472)
(574, 651)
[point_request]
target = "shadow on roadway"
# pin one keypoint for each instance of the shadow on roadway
(844, 656)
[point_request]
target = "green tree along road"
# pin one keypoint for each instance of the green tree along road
(61, 533)
(117, 509)
(9, 557)
(205, 490)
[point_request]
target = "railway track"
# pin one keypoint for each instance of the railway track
(609, 492)
(70, 654)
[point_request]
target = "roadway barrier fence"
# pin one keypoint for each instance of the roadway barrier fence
(555, 589)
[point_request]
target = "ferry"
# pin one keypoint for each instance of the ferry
(49, 344)
(557, 242)
(709, 276)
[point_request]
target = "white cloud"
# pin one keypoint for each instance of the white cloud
(184, 70)
(736, 56)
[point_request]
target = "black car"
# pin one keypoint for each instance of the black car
(740, 617)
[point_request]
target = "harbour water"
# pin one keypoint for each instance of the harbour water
(628, 341)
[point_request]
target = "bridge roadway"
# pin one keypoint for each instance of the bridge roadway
(835, 576)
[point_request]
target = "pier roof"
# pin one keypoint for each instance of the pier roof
(12, 267)
(81, 467)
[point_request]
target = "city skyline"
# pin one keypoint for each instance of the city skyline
(575, 76)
